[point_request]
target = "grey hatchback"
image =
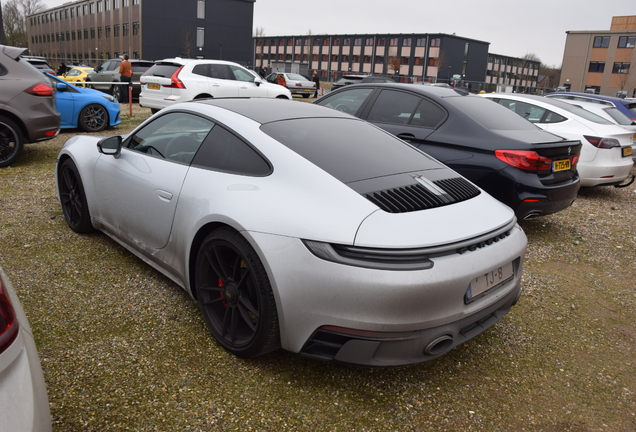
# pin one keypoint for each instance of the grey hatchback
(27, 105)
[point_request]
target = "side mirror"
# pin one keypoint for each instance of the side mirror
(110, 146)
(258, 81)
(60, 86)
(97, 68)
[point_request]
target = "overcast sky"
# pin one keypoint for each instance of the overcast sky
(513, 29)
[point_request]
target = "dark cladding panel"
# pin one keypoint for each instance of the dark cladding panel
(169, 29)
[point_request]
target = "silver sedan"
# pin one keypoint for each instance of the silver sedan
(296, 83)
(301, 227)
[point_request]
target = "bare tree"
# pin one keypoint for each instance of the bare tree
(258, 33)
(624, 79)
(532, 56)
(14, 20)
(187, 43)
(308, 47)
(393, 61)
(2, 40)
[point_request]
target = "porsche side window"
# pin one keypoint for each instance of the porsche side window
(224, 151)
(348, 101)
(175, 136)
(393, 107)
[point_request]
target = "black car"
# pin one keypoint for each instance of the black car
(530, 170)
(359, 79)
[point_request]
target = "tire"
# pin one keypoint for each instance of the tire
(93, 118)
(89, 85)
(73, 198)
(235, 295)
(116, 92)
(11, 142)
(306, 95)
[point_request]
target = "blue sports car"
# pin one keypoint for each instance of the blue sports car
(84, 108)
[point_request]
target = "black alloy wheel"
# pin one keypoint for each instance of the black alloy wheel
(93, 118)
(235, 295)
(117, 92)
(73, 198)
(11, 142)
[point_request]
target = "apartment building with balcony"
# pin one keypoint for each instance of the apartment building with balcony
(92, 31)
(602, 60)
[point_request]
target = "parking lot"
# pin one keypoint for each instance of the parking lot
(124, 348)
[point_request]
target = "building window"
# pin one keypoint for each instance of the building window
(356, 59)
(125, 3)
(116, 30)
(100, 7)
(135, 3)
(201, 9)
(281, 42)
(346, 42)
(93, 33)
(107, 4)
(436, 42)
(85, 10)
(135, 28)
(99, 32)
(135, 54)
(367, 59)
(282, 57)
(433, 62)
(601, 41)
(345, 59)
(72, 35)
(404, 60)
(626, 41)
(380, 42)
(68, 36)
(368, 42)
(325, 42)
(116, 4)
(406, 42)
(92, 8)
(357, 41)
(336, 42)
(79, 35)
(325, 57)
(597, 67)
(85, 34)
(621, 68)
(107, 32)
(466, 48)
(72, 13)
(334, 58)
(200, 36)
(418, 61)
(125, 29)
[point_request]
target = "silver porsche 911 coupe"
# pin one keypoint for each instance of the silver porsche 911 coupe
(301, 227)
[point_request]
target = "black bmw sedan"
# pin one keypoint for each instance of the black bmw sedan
(530, 170)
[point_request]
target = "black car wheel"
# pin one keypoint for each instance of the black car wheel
(93, 118)
(306, 95)
(116, 92)
(235, 295)
(73, 198)
(11, 142)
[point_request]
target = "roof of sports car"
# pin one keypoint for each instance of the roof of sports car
(263, 110)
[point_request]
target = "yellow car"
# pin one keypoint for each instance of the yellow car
(77, 75)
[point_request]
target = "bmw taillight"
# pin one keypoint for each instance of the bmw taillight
(41, 89)
(8, 321)
(605, 143)
(527, 160)
(175, 82)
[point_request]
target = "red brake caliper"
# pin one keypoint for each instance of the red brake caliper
(222, 294)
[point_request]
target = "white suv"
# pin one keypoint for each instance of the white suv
(175, 80)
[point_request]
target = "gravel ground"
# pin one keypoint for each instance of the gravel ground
(123, 348)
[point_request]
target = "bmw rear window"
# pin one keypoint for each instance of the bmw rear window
(489, 114)
(348, 149)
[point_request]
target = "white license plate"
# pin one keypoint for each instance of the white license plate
(487, 281)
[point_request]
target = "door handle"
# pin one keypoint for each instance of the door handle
(163, 195)
(406, 136)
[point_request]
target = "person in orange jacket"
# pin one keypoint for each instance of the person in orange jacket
(280, 80)
(125, 70)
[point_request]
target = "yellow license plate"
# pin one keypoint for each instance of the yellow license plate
(627, 151)
(154, 86)
(561, 165)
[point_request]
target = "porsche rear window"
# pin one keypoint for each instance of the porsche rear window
(349, 149)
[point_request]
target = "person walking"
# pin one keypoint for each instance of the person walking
(62, 69)
(125, 70)
(262, 72)
(316, 79)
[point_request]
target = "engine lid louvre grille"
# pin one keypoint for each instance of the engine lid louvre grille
(419, 196)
